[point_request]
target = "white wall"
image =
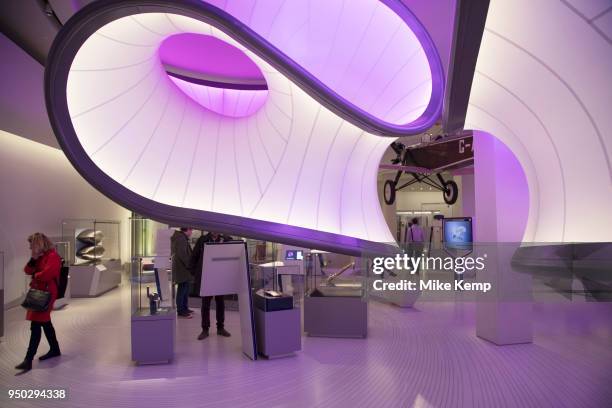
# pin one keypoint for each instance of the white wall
(39, 188)
(22, 100)
(542, 86)
(415, 200)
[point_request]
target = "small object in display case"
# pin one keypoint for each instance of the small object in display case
(91, 253)
(90, 236)
(270, 301)
(154, 302)
(88, 245)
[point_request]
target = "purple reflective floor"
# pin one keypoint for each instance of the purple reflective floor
(428, 356)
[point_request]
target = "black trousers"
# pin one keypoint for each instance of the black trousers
(35, 334)
(220, 311)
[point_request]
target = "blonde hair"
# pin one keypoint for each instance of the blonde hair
(40, 243)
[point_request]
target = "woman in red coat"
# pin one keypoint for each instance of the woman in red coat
(44, 267)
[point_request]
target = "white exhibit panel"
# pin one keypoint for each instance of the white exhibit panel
(225, 270)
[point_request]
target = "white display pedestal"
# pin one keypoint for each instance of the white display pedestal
(153, 336)
(336, 316)
(278, 333)
(503, 315)
(94, 280)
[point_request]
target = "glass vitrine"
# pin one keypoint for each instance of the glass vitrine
(153, 314)
(335, 295)
(152, 291)
(335, 275)
(92, 241)
(93, 252)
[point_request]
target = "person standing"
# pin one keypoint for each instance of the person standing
(206, 300)
(415, 239)
(414, 232)
(182, 269)
(44, 268)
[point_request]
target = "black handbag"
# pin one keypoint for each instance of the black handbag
(37, 300)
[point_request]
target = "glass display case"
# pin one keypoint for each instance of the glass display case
(94, 255)
(263, 265)
(151, 279)
(334, 275)
(277, 304)
(92, 241)
(335, 295)
(153, 314)
(143, 235)
(281, 269)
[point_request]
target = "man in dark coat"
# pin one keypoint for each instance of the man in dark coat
(197, 260)
(182, 269)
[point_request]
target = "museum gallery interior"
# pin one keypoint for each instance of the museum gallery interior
(272, 203)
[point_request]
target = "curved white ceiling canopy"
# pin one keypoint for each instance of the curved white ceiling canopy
(301, 169)
(542, 86)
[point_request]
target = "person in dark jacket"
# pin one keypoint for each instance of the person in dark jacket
(182, 269)
(198, 253)
(44, 267)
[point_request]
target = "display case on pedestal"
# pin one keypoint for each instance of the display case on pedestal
(153, 323)
(94, 257)
(335, 295)
(277, 312)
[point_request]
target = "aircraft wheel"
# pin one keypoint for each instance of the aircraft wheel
(389, 192)
(451, 192)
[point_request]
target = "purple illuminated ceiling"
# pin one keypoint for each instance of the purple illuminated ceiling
(215, 74)
(299, 169)
(209, 59)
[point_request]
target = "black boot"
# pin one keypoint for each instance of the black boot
(222, 332)
(50, 354)
(35, 329)
(26, 365)
(203, 335)
(52, 339)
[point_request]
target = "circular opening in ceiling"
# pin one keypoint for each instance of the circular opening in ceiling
(215, 74)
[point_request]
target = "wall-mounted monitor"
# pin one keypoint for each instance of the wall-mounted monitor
(457, 233)
(294, 255)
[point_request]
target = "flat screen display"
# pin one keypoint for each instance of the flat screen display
(294, 255)
(458, 233)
